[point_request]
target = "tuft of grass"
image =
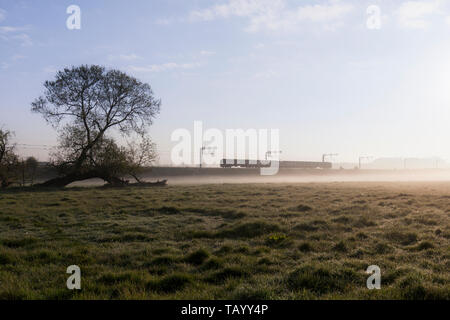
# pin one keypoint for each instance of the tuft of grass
(42, 256)
(278, 240)
(225, 274)
(301, 208)
(306, 227)
(382, 248)
(343, 219)
(248, 230)
(211, 264)
(265, 261)
(169, 210)
(249, 293)
(403, 238)
(412, 288)
(321, 279)
(226, 214)
(361, 235)
(364, 222)
(13, 294)
(171, 283)
(5, 258)
(18, 243)
(305, 247)
(197, 257)
(115, 278)
(223, 250)
(340, 247)
(242, 249)
(164, 261)
(424, 245)
(390, 276)
(128, 237)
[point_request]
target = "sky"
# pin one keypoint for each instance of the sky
(330, 80)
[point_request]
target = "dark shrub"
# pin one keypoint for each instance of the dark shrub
(305, 247)
(340, 247)
(197, 257)
(5, 258)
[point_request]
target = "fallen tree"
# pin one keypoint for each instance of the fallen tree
(88, 105)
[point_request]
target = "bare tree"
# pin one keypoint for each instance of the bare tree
(140, 156)
(9, 161)
(85, 104)
(31, 165)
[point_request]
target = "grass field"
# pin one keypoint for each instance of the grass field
(259, 241)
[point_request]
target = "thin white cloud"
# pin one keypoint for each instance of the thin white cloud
(25, 39)
(240, 8)
(2, 14)
(11, 61)
(50, 69)
(414, 14)
(268, 74)
(323, 13)
(124, 57)
(207, 53)
(17, 57)
(9, 29)
(163, 67)
(15, 33)
(164, 21)
(275, 14)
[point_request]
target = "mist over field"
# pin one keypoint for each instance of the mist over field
(180, 176)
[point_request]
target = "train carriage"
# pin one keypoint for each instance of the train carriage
(240, 163)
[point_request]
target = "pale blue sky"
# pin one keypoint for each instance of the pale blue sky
(309, 68)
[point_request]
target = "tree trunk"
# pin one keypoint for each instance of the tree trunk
(63, 181)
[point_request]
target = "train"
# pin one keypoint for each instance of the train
(239, 163)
